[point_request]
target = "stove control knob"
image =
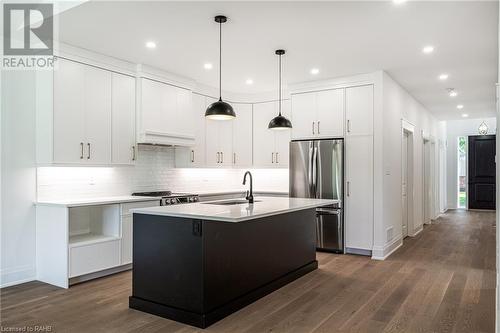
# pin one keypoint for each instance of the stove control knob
(195, 199)
(172, 201)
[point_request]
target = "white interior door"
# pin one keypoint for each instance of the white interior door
(98, 115)
(242, 135)
(69, 125)
(304, 115)
(330, 113)
(404, 184)
(124, 150)
(426, 180)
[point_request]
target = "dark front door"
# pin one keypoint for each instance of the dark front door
(482, 172)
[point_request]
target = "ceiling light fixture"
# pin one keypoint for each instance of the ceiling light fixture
(220, 110)
(249, 81)
(151, 45)
(279, 122)
(443, 77)
(208, 66)
(460, 106)
(465, 115)
(428, 49)
(314, 71)
(452, 92)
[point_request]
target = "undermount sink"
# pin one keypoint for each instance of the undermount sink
(229, 202)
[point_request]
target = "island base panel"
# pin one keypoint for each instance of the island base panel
(205, 320)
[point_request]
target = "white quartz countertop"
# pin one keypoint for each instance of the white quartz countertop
(95, 201)
(262, 207)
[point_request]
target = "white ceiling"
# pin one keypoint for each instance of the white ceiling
(339, 38)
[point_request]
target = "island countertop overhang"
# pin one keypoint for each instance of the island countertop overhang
(262, 207)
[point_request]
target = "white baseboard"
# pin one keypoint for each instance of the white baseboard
(419, 230)
(381, 253)
(17, 275)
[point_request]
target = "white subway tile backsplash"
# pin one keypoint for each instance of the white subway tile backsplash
(154, 170)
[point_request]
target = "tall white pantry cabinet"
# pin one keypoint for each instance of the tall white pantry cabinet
(344, 112)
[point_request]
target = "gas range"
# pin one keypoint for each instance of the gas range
(169, 198)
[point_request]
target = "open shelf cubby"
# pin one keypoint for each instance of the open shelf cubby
(93, 224)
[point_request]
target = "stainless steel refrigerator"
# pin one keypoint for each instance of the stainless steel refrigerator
(317, 171)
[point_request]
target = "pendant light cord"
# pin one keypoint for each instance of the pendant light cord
(220, 61)
(279, 88)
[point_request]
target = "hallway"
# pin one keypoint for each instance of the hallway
(442, 280)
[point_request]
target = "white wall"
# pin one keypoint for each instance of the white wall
(398, 105)
(18, 177)
(154, 171)
(454, 129)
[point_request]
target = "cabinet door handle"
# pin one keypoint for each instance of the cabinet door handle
(222, 157)
(318, 127)
(277, 157)
(133, 153)
(313, 127)
(272, 157)
(348, 126)
(218, 157)
(192, 155)
(88, 156)
(348, 189)
(81, 150)
(234, 158)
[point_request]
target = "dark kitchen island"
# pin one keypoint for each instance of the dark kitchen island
(197, 263)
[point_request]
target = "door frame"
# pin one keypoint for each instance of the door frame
(408, 129)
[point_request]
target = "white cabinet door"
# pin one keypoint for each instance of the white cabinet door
(359, 110)
(263, 138)
(98, 115)
(225, 138)
(151, 105)
(124, 149)
(304, 115)
(212, 151)
(242, 136)
(197, 157)
(359, 192)
(69, 115)
(168, 111)
(282, 140)
(126, 246)
(184, 116)
(330, 110)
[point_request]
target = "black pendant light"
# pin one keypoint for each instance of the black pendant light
(220, 110)
(279, 122)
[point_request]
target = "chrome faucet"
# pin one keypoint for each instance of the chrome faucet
(249, 196)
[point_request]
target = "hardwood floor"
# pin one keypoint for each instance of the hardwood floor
(442, 280)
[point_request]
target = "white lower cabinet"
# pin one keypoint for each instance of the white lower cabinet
(359, 192)
(74, 244)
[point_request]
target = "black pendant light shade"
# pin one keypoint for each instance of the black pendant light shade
(279, 122)
(220, 110)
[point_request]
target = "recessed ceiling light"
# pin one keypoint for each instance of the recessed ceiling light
(249, 81)
(465, 115)
(443, 77)
(452, 92)
(460, 106)
(208, 66)
(398, 2)
(314, 71)
(428, 49)
(151, 45)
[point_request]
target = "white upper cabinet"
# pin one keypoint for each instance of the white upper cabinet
(242, 135)
(68, 114)
(166, 114)
(82, 114)
(124, 150)
(330, 113)
(318, 114)
(270, 148)
(359, 110)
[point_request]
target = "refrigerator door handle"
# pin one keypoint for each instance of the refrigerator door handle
(315, 171)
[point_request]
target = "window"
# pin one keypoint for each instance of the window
(462, 172)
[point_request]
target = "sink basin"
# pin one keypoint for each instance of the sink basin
(229, 202)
